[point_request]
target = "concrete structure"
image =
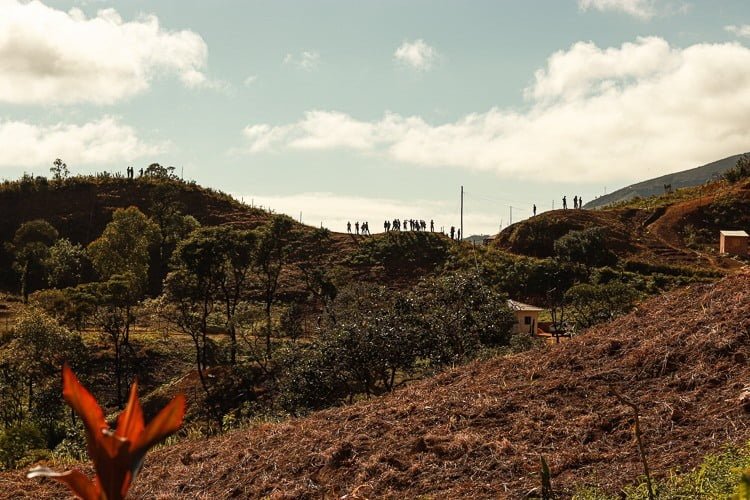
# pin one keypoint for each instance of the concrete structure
(527, 317)
(733, 242)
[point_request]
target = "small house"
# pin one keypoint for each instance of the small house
(733, 242)
(527, 317)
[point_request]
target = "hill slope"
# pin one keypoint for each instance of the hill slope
(651, 187)
(478, 431)
(679, 229)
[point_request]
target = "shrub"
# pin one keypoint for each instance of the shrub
(18, 440)
(587, 246)
(741, 170)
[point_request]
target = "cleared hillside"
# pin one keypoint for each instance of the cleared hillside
(686, 178)
(478, 431)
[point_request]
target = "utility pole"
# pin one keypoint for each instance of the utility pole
(300, 216)
(510, 221)
(462, 212)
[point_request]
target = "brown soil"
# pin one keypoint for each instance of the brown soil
(478, 431)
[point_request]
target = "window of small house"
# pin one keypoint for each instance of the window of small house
(527, 320)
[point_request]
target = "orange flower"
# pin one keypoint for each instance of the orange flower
(117, 455)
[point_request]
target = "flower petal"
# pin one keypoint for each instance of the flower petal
(130, 422)
(76, 481)
(167, 422)
(83, 403)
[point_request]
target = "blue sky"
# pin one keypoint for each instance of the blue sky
(364, 110)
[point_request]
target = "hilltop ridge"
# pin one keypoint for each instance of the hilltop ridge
(677, 180)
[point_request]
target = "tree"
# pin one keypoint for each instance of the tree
(65, 264)
(59, 170)
(235, 249)
(588, 246)
(166, 211)
(121, 255)
(30, 245)
(30, 360)
(458, 314)
(741, 170)
(113, 313)
(159, 171)
(592, 304)
(123, 247)
(316, 269)
(190, 290)
(274, 246)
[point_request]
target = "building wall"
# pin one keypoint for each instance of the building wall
(736, 245)
(524, 325)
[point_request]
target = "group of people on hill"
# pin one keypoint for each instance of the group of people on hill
(131, 172)
(577, 203)
(412, 224)
(363, 228)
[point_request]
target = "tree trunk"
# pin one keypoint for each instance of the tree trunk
(268, 330)
(25, 282)
(118, 374)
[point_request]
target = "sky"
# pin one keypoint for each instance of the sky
(339, 110)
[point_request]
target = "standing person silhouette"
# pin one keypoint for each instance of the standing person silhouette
(356, 227)
(349, 227)
(432, 226)
(453, 233)
(534, 210)
(565, 203)
(575, 202)
(580, 202)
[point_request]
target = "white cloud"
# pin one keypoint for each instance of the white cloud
(51, 56)
(636, 111)
(98, 142)
(739, 30)
(333, 211)
(306, 60)
(250, 80)
(644, 9)
(416, 54)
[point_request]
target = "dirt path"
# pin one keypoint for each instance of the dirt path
(667, 229)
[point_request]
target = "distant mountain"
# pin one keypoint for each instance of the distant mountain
(685, 178)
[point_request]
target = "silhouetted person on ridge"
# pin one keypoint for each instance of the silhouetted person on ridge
(575, 202)
(453, 233)
(140, 173)
(356, 227)
(580, 202)
(565, 203)
(349, 227)
(534, 209)
(458, 237)
(432, 226)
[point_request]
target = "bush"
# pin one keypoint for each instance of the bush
(741, 170)
(18, 440)
(587, 246)
(592, 304)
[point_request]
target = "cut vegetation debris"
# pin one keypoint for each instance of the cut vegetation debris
(478, 431)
